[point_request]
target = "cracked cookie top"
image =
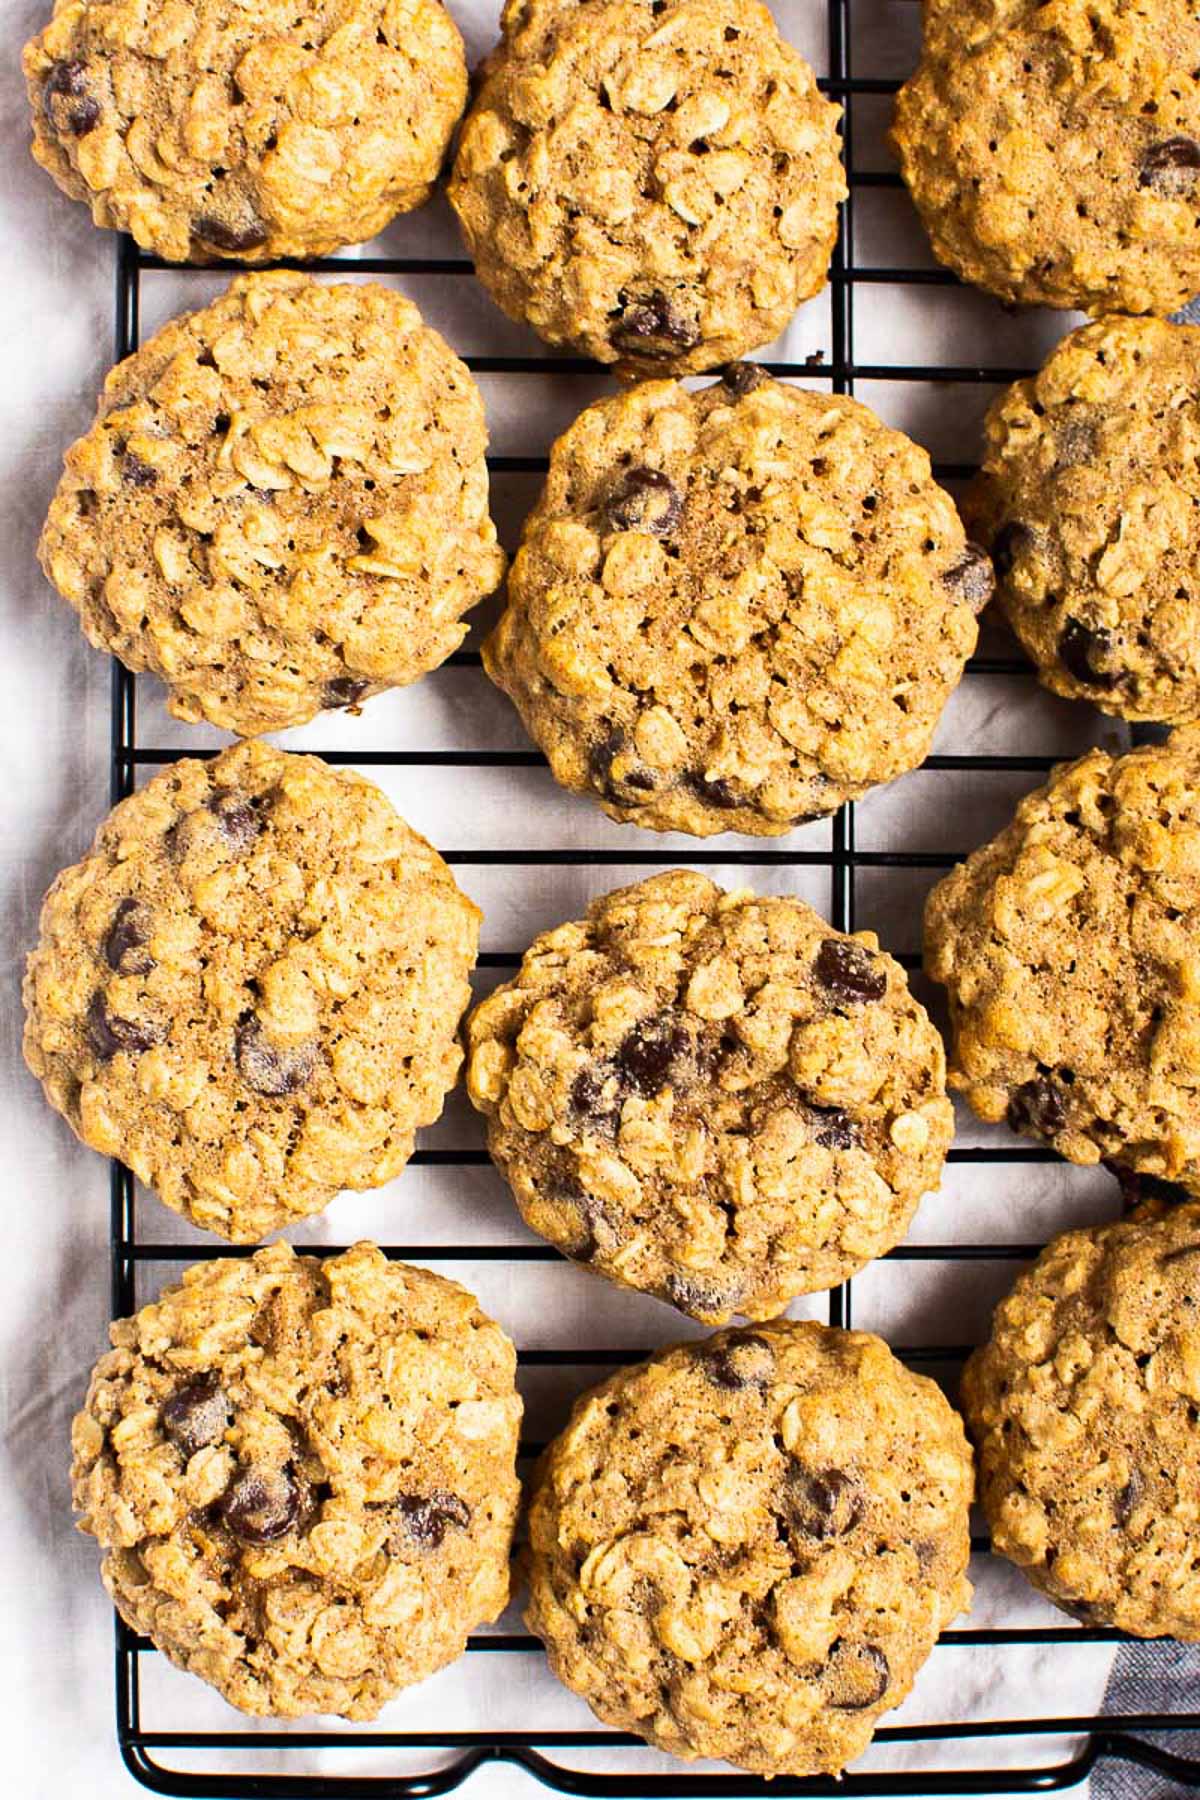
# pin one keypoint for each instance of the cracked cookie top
(215, 128)
(1053, 151)
(249, 991)
(1087, 499)
(282, 505)
(654, 182)
(1084, 1406)
(734, 609)
(710, 1096)
(1068, 948)
(746, 1547)
(303, 1477)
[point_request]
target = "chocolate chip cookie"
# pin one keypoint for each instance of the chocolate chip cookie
(282, 505)
(217, 129)
(1070, 950)
(249, 991)
(653, 182)
(302, 1475)
(1053, 151)
(734, 609)
(1084, 1406)
(1088, 498)
(746, 1548)
(711, 1096)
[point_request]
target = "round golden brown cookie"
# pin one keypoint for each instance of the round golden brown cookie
(710, 1096)
(1070, 950)
(653, 182)
(282, 505)
(214, 128)
(746, 1548)
(249, 991)
(1084, 1408)
(734, 609)
(302, 1475)
(1053, 151)
(1088, 499)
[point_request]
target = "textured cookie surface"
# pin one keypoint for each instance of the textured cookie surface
(303, 1476)
(1053, 151)
(733, 609)
(282, 505)
(1088, 499)
(249, 990)
(1084, 1405)
(711, 1097)
(214, 128)
(653, 182)
(1070, 949)
(746, 1548)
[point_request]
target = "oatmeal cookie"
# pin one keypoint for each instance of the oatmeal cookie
(1088, 499)
(1070, 950)
(746, 1548)
(282, 505)
(249, 991)
(653, 182)
(303, 1476)
(215, 128)
(711, 1096)
(734, 609)
(1053, 151)
(1084, 1407)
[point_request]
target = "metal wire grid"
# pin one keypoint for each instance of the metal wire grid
(533, 1749)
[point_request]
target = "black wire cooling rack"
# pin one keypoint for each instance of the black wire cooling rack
(602, 1766)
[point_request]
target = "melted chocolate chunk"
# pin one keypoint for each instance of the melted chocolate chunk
(1137, 1188)
(742, 378)
(849, 972)
(125, 946)
(859, 1675)
(344, 690)
(825, 1505)
(1037, 1107)
(268, 1068)
(652, 326)
(834, 1129)
(426, 1518)
(972, 579)
(601, 757)
(1010, 542)
(645, 500)
(108, 1034)
(1079, 649)
(646, 1056)
(261, 1505)
(136, 473)
(587, 1094)
(743, 1361)
(234, 236)
(718, 792)
(239, 817)
(1169, 168)
(692, 1294)
(196, 1415)
(78, 111)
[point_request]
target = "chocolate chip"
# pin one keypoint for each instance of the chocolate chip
(136, 473)
(344, 690)
(125, 946)
(645, 1057)
(268, 1068)
(718, 792)
(742, 378)
(587, 1094)
(426, 1518)
(972, 579)
(702, 1299)
(1137, 1188)
(825, 1505)
(1078, 1609)
(601, 757)
(1127, 1497)
(645, 500)
(653, 327)
(849, 972)
(743, 1360)
(261, 1505)
(1037, 1107)
(1010, 542)
(239, 817)
(196, 1414)
(249, 233)
(108, 1034)
(834, 1129)
(859, 1675)
(1078, 648)
(1169, 168)
(67, 81)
